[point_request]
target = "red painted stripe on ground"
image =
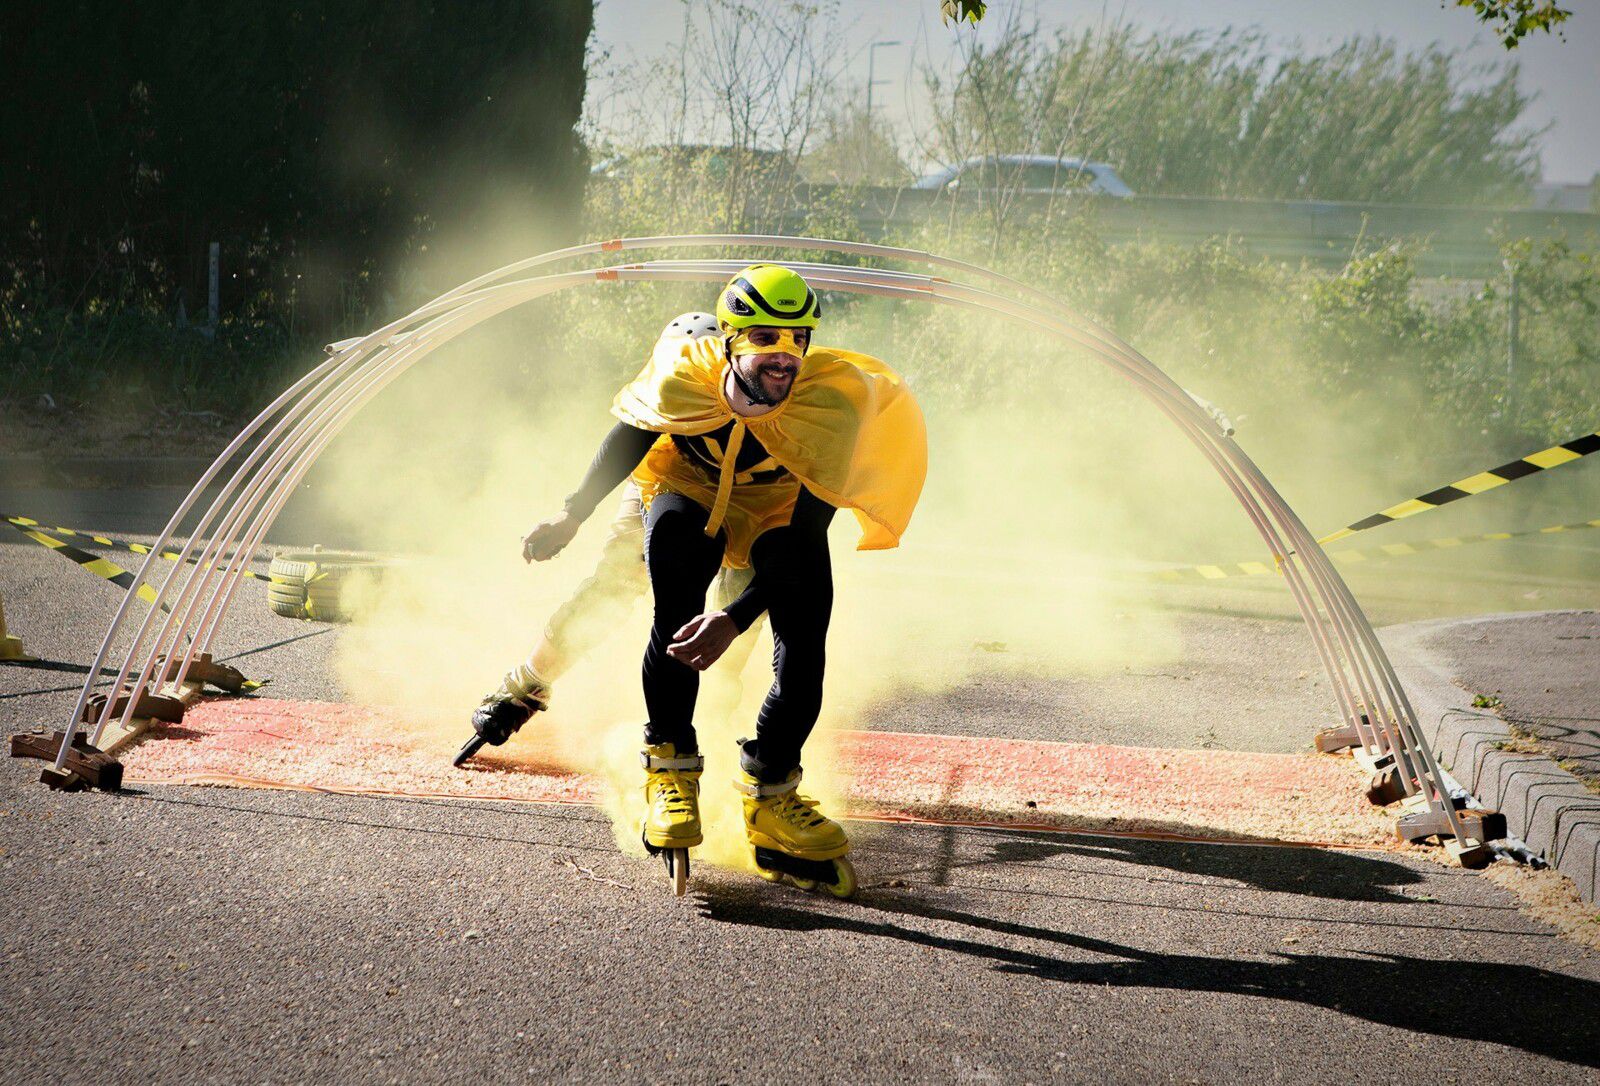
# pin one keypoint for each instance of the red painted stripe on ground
(1179, 794)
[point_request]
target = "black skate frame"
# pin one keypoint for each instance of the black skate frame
(819, 871)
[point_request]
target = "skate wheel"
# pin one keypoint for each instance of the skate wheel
(770, 875)
(846, 883)
(678, 866)
(804, 884)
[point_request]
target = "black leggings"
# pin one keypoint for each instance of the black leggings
(796, 577)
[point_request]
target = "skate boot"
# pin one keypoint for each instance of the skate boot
(792, 838)
(672, 808)
(500, 714)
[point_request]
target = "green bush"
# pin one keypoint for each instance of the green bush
(1370, 346)
(1222, 115)
(1371, 340)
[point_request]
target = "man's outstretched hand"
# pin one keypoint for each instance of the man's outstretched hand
(702, 640)
(550, 537)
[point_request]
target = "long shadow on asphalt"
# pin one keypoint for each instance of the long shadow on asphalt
(83, 669)
(1525, 1007)
(1529, 1008)
(1315, 872)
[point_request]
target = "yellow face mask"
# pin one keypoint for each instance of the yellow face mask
(793, 341)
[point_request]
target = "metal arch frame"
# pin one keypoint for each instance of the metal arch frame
(305, 418)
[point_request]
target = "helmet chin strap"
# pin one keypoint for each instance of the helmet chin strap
(753, 395)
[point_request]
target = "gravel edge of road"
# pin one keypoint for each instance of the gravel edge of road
(1548, 807)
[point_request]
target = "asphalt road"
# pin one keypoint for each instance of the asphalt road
(219, 934)
(229, 935)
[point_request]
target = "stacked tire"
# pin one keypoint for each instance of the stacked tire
(323, 586)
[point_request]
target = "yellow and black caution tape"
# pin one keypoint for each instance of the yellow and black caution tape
(100, 567)
(104, 568)
(1532, 464)
(1220, 571)
(27, 525)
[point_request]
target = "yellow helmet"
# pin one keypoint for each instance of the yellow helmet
(768, 295)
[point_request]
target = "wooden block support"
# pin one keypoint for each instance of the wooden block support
(150, 706)
(1478, 827)
(1386, 787)
(1333, 740)
(204, 670)
(1345, 737)
(1471, 857)
(1373, 761)
(85, 767)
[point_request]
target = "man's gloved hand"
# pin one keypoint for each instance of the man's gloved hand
(702, 640)
(550, 537)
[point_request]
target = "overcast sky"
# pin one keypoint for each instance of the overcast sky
(1565, 76)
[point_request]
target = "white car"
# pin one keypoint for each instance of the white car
(1037, 175)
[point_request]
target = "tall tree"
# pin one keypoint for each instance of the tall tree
(354, 137)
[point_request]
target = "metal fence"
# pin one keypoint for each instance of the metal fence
(1457, 242)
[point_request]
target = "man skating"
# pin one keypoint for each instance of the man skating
(743, 446)
(603, 602)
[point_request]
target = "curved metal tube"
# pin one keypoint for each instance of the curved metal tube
(366, 378)
(418, 343)
(143, 573)
(1353, 644)
(318, 381)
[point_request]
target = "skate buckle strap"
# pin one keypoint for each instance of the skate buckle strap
(766, 791)
(695, 762)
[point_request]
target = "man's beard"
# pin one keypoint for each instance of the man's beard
(755, 380)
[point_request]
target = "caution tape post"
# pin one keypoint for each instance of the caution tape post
(86, 766)
(10, 645)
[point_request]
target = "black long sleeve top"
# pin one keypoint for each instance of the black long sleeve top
(625, 446)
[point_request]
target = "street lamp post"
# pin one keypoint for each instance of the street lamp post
(872, 57)
(1513, 339)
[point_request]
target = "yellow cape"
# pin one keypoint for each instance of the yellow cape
(850, 430)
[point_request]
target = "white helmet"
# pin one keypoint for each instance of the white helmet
(691, 326)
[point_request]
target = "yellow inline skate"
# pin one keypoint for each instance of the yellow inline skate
(672, 808)
(792, 839)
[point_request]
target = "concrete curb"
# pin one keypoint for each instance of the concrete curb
(101, 472)
(1546, 806)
